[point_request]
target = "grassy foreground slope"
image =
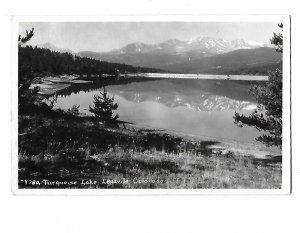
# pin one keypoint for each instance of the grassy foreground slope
(59, 150)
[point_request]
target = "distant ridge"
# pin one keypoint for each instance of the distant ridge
(52, 47)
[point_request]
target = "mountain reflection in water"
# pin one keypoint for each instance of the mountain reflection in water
(200, 107)
(204, 95)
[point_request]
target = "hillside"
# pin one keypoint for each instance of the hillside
(43, 60)
(243, 61)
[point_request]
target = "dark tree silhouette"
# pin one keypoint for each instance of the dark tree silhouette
(26, 96)
(277, 40)
(45, 62)
(23, 40)
(268, 115)
(104, 108)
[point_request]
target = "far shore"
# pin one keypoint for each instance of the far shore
(49, 85)
(203, 76)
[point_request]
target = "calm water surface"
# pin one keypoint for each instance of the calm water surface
(199, 107)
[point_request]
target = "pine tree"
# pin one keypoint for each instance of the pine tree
(268, 115)
(104, 108)
(23, 40)
(26, 96)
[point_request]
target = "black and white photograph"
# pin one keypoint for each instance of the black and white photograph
(194, 104)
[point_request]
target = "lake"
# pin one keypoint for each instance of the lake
(190, 106)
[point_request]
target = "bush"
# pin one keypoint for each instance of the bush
(74, 110)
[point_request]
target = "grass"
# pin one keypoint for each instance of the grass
(57, 150)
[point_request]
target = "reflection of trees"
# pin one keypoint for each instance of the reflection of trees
(96, 84)
(237, 90)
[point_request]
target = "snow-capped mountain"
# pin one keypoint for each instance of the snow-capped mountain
(203, 45)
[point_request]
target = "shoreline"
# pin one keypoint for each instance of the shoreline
(257, 150)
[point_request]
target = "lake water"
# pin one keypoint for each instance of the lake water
(198, 107)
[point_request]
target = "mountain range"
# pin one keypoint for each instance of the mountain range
(204, 45)
(201, 55)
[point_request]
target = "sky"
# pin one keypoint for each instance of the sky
(106, 36)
